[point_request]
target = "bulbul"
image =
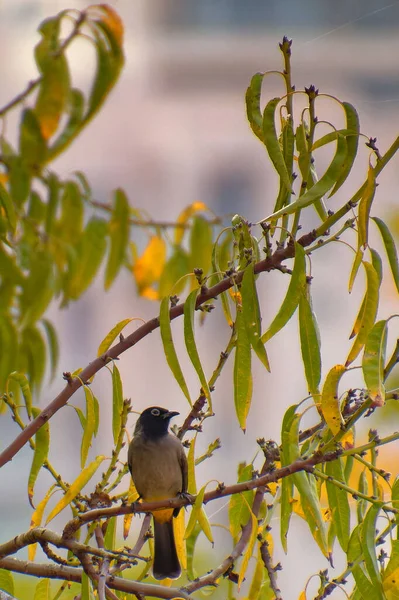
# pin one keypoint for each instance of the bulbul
(158, 466)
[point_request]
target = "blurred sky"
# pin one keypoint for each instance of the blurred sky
(174, 131)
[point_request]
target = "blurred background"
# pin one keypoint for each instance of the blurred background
(174, 131)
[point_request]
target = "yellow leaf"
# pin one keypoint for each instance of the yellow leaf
(249, 549)
(302, 596)
(36, 520)
(84, 477)
(112, 20)
(178, 529)
(330, 401)
(132, 496)
(185, 215)
(149, 266)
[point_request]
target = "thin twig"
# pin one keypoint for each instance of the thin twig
(267, 560)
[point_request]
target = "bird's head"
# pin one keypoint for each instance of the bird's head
(154, 421)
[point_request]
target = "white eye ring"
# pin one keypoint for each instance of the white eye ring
(155, 412)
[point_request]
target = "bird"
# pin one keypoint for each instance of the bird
(158, 466)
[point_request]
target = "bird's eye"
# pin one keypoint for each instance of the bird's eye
(155, 412)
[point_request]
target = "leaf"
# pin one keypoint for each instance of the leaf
(33, 355)
(310, 343)
(119, 234)
(218, 267)
(174, 270)
(355, 269)
(272, 144)
(321, 187)
(36, 519)
(390, 248)
(185, 216)
(86, 588)
(391, 573)
(368, 314)
(76, 487)
(117, 403)
(251, 314)
(289, 451)
(365, 207)
(6, 582)
(249, 549)
(149, 266)
(252, 100)
(43, 589)
(8, 206)
(70, 225)
(189, 311)
(75, 123)
(52, 342)
(90, 424)
(38, 288)
(110, 337)
(110, 533)
(363, 583)
(201, 244)
(23, 383)
(40, 454)
(374, 361)
(291, 300)
(352, 141)
(32, 145)
(239, 505)
(242, 376)
(338, 502)
(198, 515)
(169, 347)
(367, 541)
(330, 399)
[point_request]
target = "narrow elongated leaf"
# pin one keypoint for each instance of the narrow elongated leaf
(368, 314)
(338, 502)
(330, 399)
(7, 582)
(37, 289)
(174, 270)
(251, 314)
(148, 267)
(32, 145)
(119, 234)
(287, 455)
(43, 590)
(310, 343)
(42, 445)
(52, 342)
(169, 347)
(367, 540)
(390, 249)
(363, 583)
(391, 573)
(86, 588)
(8, 206)
(76, 487)
(374, 361)
(355, 269)
(320, 188)
(189, 338)
(295, 289)
(110, 534)
(90, 425)
(185, 216)
(365, 207)
(110, 337)
(23, 383)
(201, 244)
(117, 402)
(242, 376)
(198, 515)
(36, 519)
(352, 141)
(252, 100)
(75, 123)
(239, 504)
(272, 144)
(249, 549)
(217, 268)
(33, 355)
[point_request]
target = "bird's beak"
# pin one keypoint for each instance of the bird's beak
(170, 414)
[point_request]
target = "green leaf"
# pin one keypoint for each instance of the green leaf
(390, 574)
(53, 185)
(75, 109)
(110, 337)
(242, 376)
(369, 312)
(70, 225)
(119, 234)
(249, 549)
(117, 402)
(365, 207)
(191, 346)
(363, 583)
(38, 288)
(321, 187)
(86, 588)
(20, 180)
(198, 515)
(201, 244)
(89, 426)
(251, 314)
(239, 505)
(367, 541)
(295, 289)
(169, 347)
(219, 265)
(390, 249)
(272, 143)
(352, 141)
(175, 268)
(310, 343)
(52, 342)
(338, 502)
(23, 383)
(252, 100)
(8, 206)
(374, 361)
(42, 446)
(289, 452)
(355, 269)
(32, 354)
(32, 145)
(76, 487)
(43, 589)
(6, 582)
(110, 534)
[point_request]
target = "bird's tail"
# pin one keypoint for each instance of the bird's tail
(166, 562)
